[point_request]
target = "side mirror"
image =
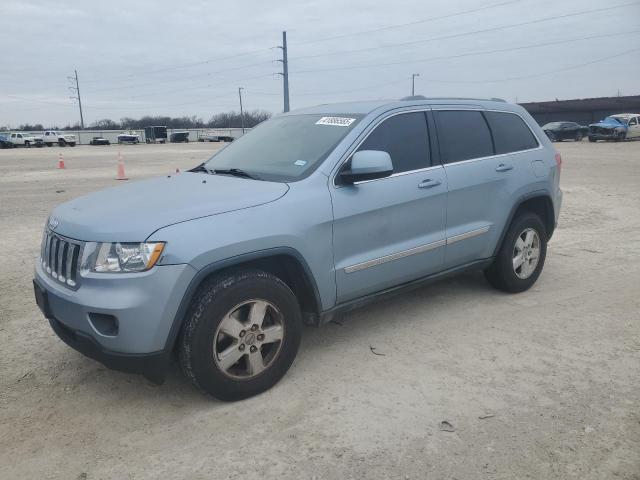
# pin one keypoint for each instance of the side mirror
(367, 165)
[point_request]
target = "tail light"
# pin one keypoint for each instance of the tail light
(558, 162)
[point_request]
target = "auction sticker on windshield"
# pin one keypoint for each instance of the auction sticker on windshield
(336, 121)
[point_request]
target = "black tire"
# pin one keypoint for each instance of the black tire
(620, 137)
(49, 144)
(27, 144)
(217, 297)
(72, 144)
(552, 136)
(62, 143)
(501, 274)
(578, 137)
(592, 139)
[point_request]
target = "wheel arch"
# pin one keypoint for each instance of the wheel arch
(539, 203)
(284, 262)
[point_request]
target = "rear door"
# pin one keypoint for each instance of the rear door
(483, 175)
(391, 230)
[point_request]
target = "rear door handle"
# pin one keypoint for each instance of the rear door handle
(503, 168)
(428, 183)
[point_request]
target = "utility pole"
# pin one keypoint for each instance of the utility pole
(413, 83)
(285, 71)
(241, 111)
(77, 97)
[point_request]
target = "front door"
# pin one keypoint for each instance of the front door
(634, 128)
(391, 230)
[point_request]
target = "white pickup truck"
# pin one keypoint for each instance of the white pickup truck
(20, 139)
(63, 139)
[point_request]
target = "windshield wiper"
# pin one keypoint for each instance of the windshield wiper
(236, 172)
(201, 168)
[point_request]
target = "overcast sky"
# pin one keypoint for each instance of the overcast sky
(189, 57)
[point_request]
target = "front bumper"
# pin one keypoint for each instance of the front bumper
(142, 307)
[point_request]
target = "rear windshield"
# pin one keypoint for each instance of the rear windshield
(285, 148)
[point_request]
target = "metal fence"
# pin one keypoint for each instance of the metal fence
(85, 136)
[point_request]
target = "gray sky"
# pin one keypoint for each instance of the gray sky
(138, 58)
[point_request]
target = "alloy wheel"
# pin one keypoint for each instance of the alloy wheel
(248, 339)
(526, 253)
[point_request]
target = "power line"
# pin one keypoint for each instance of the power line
(181, 66)
(465, 34)
(417, 22)
(469, 54)
(540, 74)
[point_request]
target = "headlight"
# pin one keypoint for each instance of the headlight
(120, 257)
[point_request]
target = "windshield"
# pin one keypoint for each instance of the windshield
(612, 120)
(285, 148)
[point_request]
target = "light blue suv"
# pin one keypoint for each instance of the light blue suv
(309, 215)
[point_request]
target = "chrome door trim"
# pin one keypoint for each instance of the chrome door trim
(470, 234)
(394, 256)
(415, 250)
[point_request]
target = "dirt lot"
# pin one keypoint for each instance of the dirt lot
(557, 366)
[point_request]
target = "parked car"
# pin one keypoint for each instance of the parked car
(214, 137)
(558, 131)
(632, 121)
(609, 128)
(310, 214)
(5, 141)
(179, 137)
(157, 134)
(99, 141)
(21, 139)
(51, 137)
(128, 137)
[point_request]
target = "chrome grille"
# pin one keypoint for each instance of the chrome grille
(60, 258)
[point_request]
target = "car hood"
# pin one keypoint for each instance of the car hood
(609, 123)
(132, 212)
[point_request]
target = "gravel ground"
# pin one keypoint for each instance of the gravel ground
(540, 385)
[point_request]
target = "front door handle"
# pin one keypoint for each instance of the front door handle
(503, 168)
(428, 183)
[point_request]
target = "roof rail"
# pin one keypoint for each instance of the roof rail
(422, 97)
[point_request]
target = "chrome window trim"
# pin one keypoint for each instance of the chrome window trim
(415, 250)
(345, 157)
(434, 108)
(498, 155)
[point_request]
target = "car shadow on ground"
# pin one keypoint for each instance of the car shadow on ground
(380, 318)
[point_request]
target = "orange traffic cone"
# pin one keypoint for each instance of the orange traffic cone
(121, 175)
(61, 161)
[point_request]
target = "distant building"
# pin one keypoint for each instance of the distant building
(584, 110)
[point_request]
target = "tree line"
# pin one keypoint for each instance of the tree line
(219, 120)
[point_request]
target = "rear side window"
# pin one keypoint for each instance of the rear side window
(510, 133)
(463, 135)
(405, 138)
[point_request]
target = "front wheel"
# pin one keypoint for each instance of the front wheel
(241, 334)
(521, 256)
(578, 137)
(592, 139)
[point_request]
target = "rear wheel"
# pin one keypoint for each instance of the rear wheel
(27, 144)
(72, 144)
(241, 334)
(552, 136)
(521, 256)
(578, 137)
(62, 143)
(592, 139)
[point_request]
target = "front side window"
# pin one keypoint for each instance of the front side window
(405, 138)
(510, 133)
(463, 135)
(633, 121)
(285, 148)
